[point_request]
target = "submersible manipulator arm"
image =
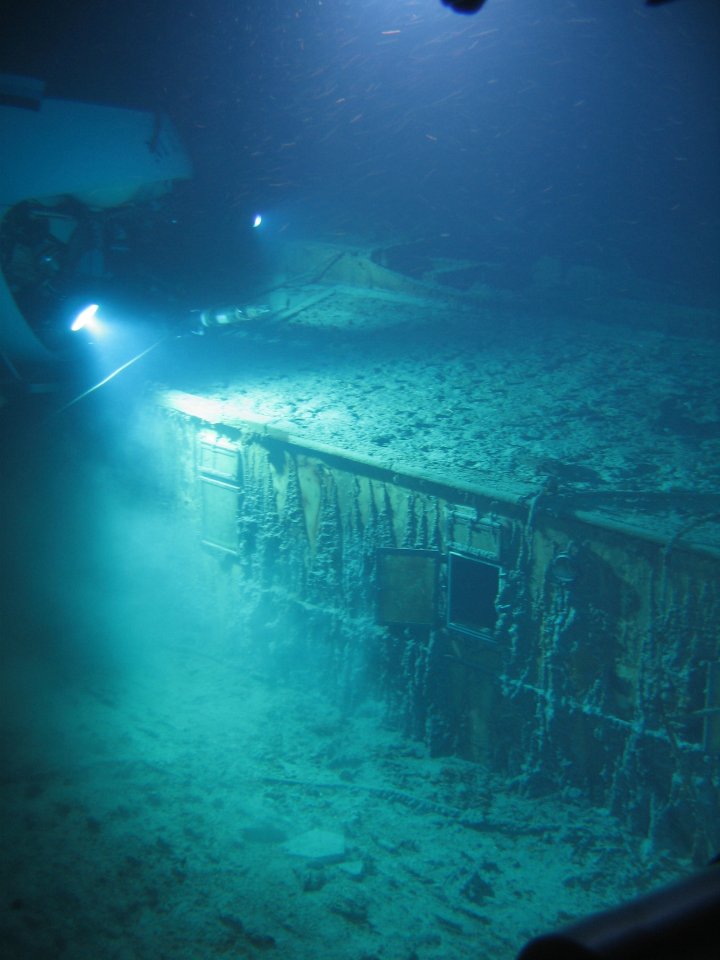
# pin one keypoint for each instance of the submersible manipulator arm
(678, 922)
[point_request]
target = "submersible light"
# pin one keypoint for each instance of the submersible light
(257, 221)
(86, 319)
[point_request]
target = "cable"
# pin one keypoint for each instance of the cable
(109, 377)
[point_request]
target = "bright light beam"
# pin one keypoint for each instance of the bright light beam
(108, 378)
(86, 319)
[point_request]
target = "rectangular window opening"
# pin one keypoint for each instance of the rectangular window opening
(473, 587)
(220, 474)
(407, 586)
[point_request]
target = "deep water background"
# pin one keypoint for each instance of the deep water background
(582, 130)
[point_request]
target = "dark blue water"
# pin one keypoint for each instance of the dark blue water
(584, 130)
